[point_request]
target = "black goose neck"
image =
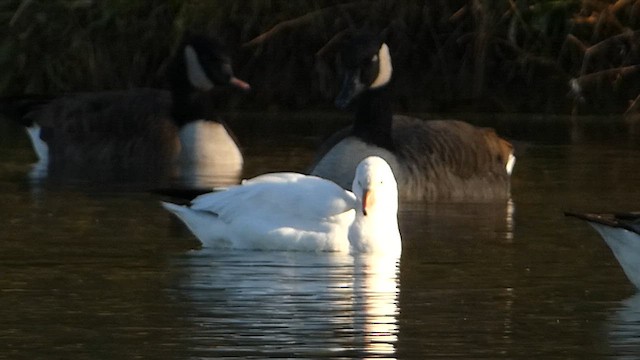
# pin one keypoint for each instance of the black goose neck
(374, 118)
(187, 107)
(188, 104)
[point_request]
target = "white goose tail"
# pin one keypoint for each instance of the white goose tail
(206, 226)
(39, 146)
(510, 163)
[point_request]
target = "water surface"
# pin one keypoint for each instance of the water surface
(102, 271)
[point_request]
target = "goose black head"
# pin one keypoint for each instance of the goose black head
(367, 65)
(203, 63)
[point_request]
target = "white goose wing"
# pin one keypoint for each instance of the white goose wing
(289, 197)
(279, 177)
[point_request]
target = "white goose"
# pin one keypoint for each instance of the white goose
(291, 211)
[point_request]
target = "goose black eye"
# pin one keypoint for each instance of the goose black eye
(374, 58)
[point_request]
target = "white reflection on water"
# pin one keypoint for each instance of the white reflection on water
(624, 329)
(375, 286)
(209, 159)
(508, 219)
(291, 304)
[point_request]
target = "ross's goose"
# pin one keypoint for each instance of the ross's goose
(291, 211)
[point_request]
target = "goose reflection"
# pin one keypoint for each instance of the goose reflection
(624, 329)
(220, 168)
(291, 303)
(376, 294)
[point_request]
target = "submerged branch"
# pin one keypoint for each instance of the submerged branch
(634, 107)
(605, 45)
(23, 6)
(332, 44)
(610, 75)
(572, 39)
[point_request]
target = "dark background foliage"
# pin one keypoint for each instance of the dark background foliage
(506, 56)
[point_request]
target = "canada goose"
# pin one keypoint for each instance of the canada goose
(621, 232)
(432, 160)
(291, 211)
(144, 131)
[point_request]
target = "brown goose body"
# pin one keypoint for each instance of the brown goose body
(119, 129)
(437, 160)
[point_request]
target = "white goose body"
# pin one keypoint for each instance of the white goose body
(295, 212)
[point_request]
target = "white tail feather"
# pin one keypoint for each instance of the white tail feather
(204, 225)
(40, 147)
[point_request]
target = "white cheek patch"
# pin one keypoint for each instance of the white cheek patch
(384, 73)
(197, 77)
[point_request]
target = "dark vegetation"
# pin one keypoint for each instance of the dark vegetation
(501, 56)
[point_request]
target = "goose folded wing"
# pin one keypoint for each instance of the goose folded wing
(283, 195)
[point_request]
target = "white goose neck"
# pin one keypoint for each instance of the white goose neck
(375, 234)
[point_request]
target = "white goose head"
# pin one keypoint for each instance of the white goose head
(376, 226)
(375, 187)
